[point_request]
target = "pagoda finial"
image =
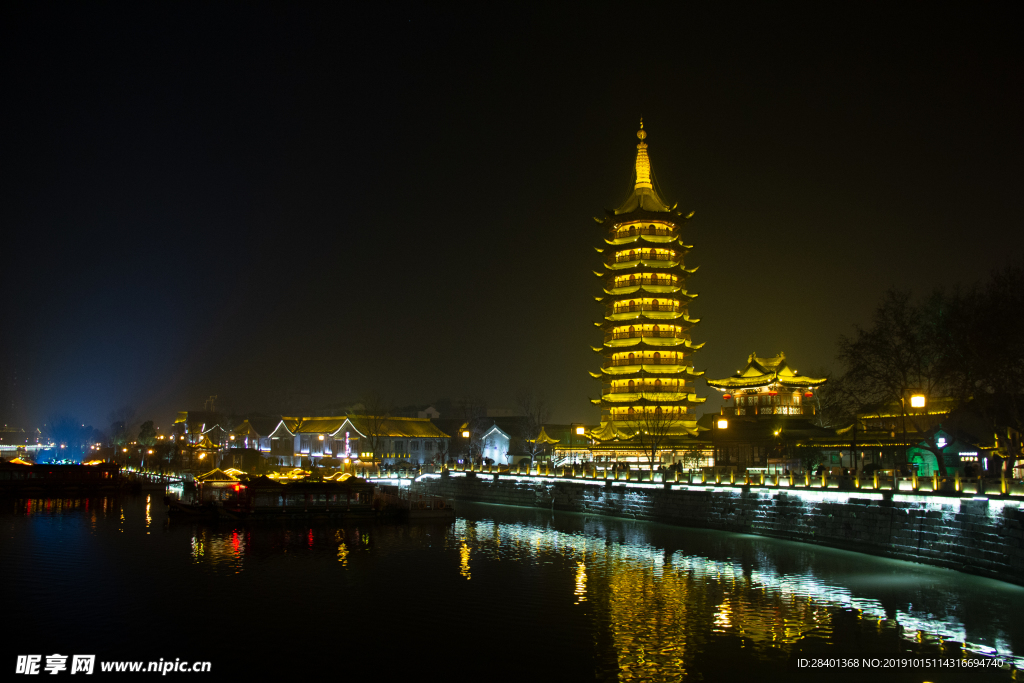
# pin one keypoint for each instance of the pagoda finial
(643, 163)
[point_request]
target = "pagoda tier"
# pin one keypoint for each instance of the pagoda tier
(652, 285)
(644, 241)
(649, 307)
(646, 371)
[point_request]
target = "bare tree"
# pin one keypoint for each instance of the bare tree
(893, 358)
(373, 414)
(834, 406)
(444, 451)
(473, 411)
(980, 338)
(123, 424)
(536, 413)
(653, 425)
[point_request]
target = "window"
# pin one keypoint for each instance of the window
(414, 445)
(399, 446)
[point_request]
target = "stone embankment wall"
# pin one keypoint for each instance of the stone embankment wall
(975, 535)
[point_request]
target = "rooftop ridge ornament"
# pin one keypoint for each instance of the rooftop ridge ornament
(643, 163)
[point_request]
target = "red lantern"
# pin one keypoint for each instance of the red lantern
(773, 393)
(726, 396)
(809, 394)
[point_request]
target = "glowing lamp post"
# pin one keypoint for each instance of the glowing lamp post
(917, 400)
(721, 424)
(469, 448)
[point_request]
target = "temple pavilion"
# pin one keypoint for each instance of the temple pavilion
(768, 386)
(771, 419)
(646, 375)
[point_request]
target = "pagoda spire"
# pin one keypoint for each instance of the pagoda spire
(643, 195)
(643, 162)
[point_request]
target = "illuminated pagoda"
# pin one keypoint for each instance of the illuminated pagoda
(647, 379)
(768, 386)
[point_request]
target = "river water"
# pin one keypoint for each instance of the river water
(503, 593)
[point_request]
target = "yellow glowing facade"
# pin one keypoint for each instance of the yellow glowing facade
(646, 349)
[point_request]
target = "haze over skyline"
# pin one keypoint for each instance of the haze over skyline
(249, 202)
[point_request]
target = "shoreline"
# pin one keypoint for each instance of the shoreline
(974, 535)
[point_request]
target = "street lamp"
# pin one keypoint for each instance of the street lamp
(573, 429)
(917, 400)
(469, 446)
(721, 423)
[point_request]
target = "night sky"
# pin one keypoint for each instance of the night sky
(257, 200)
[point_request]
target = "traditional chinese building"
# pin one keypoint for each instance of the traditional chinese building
(769, 426)
(646, 373)
(768, 386)
(397, 439)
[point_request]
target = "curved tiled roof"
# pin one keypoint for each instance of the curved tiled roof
(762, 372)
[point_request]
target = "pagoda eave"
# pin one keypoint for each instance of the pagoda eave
(758, 382)
(651, 398)
(642, 214)
(678, 317)
(664, 290)
(650, 240)
(623, 371)
(643, 344)
(661, 264)
(660, 343)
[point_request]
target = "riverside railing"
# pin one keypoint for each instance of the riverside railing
(725, 476)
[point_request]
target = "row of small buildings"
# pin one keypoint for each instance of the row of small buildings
(768, 425)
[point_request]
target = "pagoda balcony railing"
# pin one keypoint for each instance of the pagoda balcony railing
(646, 389)
(621, 258)
(667, 307)
(616, 362)
(648, 333)
(643, 230)
(663, 281)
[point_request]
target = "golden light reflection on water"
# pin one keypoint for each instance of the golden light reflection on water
(339, 538)
(464, 560)
(659, 610)
(581, 582)
(198, 548)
